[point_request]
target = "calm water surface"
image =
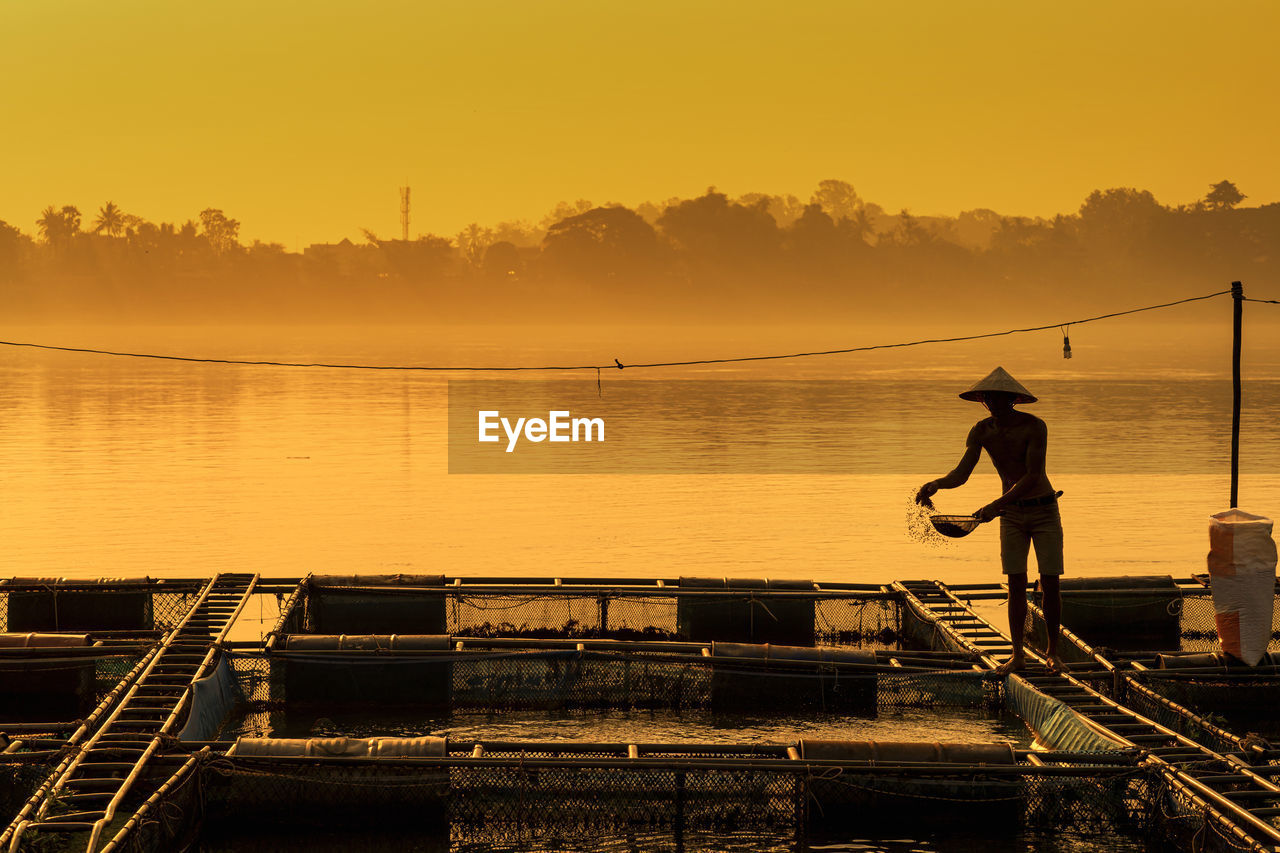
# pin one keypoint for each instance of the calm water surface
(117, 467)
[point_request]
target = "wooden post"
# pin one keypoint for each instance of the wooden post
(679, 818)
(1237, 299)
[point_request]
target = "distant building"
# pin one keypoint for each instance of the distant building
(328, 250)
(341, 258)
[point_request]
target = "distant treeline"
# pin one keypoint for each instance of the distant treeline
(758, 257)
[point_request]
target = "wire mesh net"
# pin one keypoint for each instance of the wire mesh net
(110, 670)
(954, 526)
(1122, 626)
(269, 686)
(1199, 628)
(840, 619)
(170, 607)
(1185, 823)
(1182, 620)
(863, 623)
(60, 685)
(508, 801)
(921, 632)
(1220, 711)
(514, 802)
(98, 606)
(20, 776)
(164, 822)
(1216, 709)
(1204, 729)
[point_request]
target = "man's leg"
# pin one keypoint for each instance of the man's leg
(1015, 543)
(1051, 603)
(1017, 623)
(1046, 533)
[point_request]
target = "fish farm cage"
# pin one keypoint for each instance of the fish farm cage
(1173, 674)
(1170, 666)
(1140, 616)
(782, 612)
(584, 646)
(139, 723)
(68, 650)
(111, 607)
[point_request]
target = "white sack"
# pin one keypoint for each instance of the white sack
(1242, 570)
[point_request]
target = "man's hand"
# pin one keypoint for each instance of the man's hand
(927, 491)
(987, 513)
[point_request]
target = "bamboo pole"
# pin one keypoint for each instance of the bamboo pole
(1237, 301)
(1092, 767)
(155, 801)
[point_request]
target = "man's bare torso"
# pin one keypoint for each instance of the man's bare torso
(1007, 444)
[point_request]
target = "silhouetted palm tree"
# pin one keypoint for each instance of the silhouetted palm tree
(49, 223)
(110, 219)
(57, 225)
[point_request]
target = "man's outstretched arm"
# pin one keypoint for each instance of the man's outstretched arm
(960, 474)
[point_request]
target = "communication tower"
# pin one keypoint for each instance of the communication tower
(404, 214)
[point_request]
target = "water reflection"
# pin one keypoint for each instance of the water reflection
(126, 468)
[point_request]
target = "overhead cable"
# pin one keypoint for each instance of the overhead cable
(617, 364)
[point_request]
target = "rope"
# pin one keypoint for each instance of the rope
(885, 790)
(616, 363)
(931, 340)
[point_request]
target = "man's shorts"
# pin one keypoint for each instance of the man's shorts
(1022, 526)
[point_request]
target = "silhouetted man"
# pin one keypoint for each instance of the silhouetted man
(1016, 442)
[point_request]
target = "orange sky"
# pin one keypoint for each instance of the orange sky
(301, 119)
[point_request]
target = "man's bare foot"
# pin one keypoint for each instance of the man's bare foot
(1053, 663)
(1017, 663)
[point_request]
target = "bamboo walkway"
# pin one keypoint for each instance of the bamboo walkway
(87, 790)
(1240, 796)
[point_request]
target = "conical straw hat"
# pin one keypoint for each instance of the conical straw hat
(999, 380)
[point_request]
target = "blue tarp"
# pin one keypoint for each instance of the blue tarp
(212, 698)
(1054, 723)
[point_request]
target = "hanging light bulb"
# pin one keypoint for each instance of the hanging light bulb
(1066, 344)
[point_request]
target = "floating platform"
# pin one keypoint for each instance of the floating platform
(131, 700)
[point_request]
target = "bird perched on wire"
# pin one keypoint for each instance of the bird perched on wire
(620, 365)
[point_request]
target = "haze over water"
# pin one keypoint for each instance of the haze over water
(120, 467)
